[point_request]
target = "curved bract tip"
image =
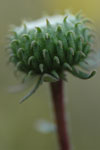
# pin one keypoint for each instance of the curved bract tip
(32, 91)
(82, 75)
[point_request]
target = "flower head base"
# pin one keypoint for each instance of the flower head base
(49, 47)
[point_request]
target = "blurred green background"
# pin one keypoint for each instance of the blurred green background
(17, 131)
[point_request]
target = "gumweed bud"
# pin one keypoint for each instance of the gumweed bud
(52, 45)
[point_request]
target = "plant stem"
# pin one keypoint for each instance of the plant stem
(58, 102)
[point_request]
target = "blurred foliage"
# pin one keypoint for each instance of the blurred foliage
(17, 130)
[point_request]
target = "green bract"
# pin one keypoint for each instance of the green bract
(49, 47)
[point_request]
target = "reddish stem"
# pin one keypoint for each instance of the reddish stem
(58, 102)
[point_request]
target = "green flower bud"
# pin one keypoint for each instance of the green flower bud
(49, 47)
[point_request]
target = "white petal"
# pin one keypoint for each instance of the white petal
(45, 126)
(92, 62)
(42, 22)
